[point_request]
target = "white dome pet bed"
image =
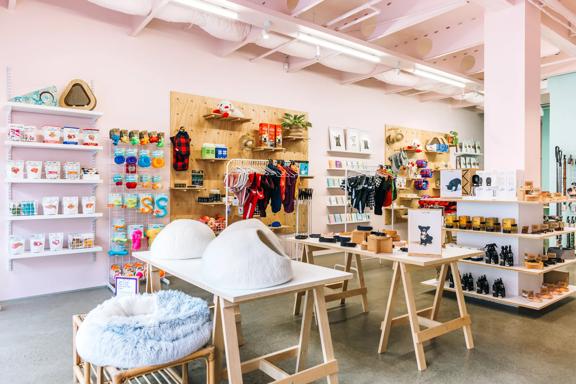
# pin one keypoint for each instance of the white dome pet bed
(141, 330)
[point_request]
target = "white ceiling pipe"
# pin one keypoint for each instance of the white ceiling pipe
(130, 7)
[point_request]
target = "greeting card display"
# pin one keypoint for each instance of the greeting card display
(451, 183)
(425, 232)
(337, 139)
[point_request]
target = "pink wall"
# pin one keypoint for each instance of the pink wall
(47, 44)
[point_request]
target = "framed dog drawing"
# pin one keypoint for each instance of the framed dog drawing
(451, 183)
(337, 140)
(425, 232)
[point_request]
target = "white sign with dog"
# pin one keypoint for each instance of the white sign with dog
(425, 232)
(451, 183)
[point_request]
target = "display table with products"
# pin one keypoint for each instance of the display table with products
(308, 278)
(402, 266)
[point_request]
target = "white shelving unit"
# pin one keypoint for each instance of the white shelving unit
(516, 277)
(89, 119)
(54, 217)
(350, 153)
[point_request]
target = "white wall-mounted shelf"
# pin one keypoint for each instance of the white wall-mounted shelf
(53, 217)
(458, 154)
(351, 153)
(46, 110)
(350, 222)
(541, 236)
(522, 269)
(514, 301)
(47, 253)
(68, 147)
(52, 181)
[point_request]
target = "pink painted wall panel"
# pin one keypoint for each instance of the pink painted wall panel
(132, 79)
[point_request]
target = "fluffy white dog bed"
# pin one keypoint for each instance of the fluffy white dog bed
(136, 331)
(182, 239)
(246, 256)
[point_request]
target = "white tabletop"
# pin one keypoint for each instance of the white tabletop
(449, 254)
(306, 276)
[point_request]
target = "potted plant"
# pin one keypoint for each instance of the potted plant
(295, 124)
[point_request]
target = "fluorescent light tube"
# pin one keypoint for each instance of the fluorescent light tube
(439, 78)
(337, 47)
(439, 72)
(208, 7)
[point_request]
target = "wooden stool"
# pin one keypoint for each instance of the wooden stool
(425, 317)
(86, 373)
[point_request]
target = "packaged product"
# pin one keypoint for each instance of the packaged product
(158, 158)
(271, 135)
(90, 136)
(70, 205)
(88, 204)
(70, 135)
(88, 240)
(90, 174)
(75, 240)
(263, 134)
(131, 200)
(52, 169)
(146, 203)
(278, 135)
(50, 205)
(56, 241)
(33, 169)
(72, 170)
(37, 242)
(144, 160)
(15, 132)
(51, 134)
(29, 133)
(115, 200)
(17, 245)
(131, 181)
(14, 208)
(15, 169)
(145, 181)
(29, 207)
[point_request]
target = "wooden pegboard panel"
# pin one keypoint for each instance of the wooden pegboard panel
(436, 161)
(188, 111)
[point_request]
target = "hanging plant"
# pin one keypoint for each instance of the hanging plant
(290, 121)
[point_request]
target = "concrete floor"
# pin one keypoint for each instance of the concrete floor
(511, 346)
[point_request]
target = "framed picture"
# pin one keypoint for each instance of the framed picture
(352, 140)
(425, 232)
(365, 143)
(451, 183)
(336, 139)
(303, 168)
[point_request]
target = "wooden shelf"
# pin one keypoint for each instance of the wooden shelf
(409, 197)
(306, 176)
(47, 253)
(541, 236)
(68, 147)
(185, 189)
(46, 110)
(514, 301)
(293, 138)
(267, 149)
(211, 160)
(397, 208)
(496, 201)
(53, 217)
(350, 222)
(216, 116)
(336, 152)
(214, 204)
(522, 269)
(50, 181)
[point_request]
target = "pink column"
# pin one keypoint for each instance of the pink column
(512, 89)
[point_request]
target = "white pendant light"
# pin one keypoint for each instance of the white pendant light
(398, 77)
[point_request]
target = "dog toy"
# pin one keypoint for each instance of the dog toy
(158, 159)
(115, 135)
(145, 181)
(156, 182)
(136, 240)
(119, 155)
(161, 139)
(146, 203)
(117, 179)
(131, 201)
(131, 181)
(134, 140)
(151, 234)
(124, 136)
(114, 200)
(144, 159)
(153, 137)
(144, 138)
(161, 203)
